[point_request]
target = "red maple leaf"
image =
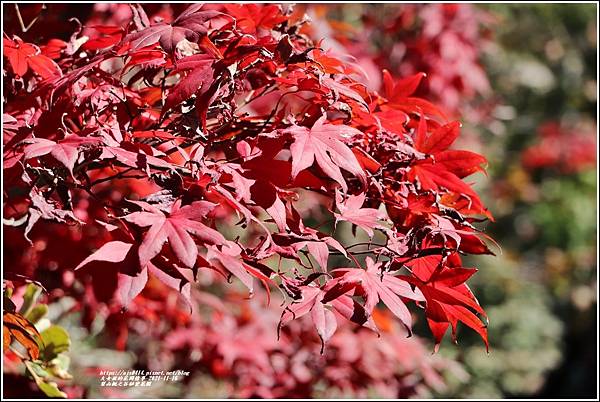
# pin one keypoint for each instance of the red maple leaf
(443, 168)
(66, 151)
(228, 258)
(375, 286)
(399, 94)
(199, 78)
(351, 211)
(448, 298)
(108, 36)
(24, 56)
(176, 226)
(112, 251)
(323, 318)
(130, 284)
(313, 301)
(191, 25)
(324, 142)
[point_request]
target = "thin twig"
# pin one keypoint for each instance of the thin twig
(21, 23)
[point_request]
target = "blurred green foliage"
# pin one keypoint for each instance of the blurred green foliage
(540, 294)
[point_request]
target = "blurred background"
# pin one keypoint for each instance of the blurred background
(523, 80)
(542, 145)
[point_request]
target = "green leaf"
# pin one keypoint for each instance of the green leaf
(50, 389)
(56, 340)
(37, 313)
(41, 378)
(29, 298)
(36, 370)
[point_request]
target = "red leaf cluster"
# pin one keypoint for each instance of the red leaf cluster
(443, 42)
(225, 142)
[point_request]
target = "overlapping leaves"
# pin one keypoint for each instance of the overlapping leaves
(226, 143)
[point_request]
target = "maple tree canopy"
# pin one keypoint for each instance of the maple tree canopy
(225, 142)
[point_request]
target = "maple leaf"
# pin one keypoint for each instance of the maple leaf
(229, 258)
(191, 25)
(375, 286)
(240, 183)
(317, 244)
(439, 140)
(24, 56)
(46, 209)
(448, 298)
(133, 159)
(445, 168)
(318, 249)
(367, 162)
(128, 285)
(351, 211)
(323, 319)
(54, 48)
(398, 94)
(66, 151)
(171, 275)
(112, 251)
(340, 89)
(176, 226)
(108, 36)
(324, 142)
(313, 301)
(146, 59)
(17, 53)
(199, 78)
(460, 163)
(402, 88)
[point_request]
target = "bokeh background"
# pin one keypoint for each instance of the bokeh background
(523, 80)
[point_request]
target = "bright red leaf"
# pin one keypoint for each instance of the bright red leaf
(324, 143)
(176, 226)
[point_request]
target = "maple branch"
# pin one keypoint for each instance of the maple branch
(355, 260)
(267, 89)
(274, 111)
(365, 244)
(197, 197)
(120, 175)
(362, 252)
(124, 101)
(22, 24)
